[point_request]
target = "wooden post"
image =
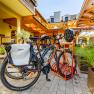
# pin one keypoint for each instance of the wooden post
(18, 28)
(0, 40)
(88, 40)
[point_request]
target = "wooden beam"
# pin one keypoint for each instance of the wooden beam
(55, 30)
(84, 22)
(28, 29)
(87, 23)
(11, 21)
(90, 9)
(84, 19)
(31, 19)
(83, 8)
(91, 13)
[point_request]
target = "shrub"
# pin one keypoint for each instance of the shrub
(2, 50)
(87, 53)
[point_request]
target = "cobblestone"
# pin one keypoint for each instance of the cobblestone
(56, 86)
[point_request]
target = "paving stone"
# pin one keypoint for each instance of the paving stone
(77, 85)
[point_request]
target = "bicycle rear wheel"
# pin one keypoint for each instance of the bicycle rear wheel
(20, 84)
(12, 72)
(66, 68)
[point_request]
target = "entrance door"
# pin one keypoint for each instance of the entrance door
(13, 36)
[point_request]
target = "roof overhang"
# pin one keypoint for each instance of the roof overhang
(16, 7)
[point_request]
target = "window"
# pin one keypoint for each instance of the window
(52, 20)
(66, 19)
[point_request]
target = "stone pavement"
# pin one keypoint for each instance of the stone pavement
(77, 85)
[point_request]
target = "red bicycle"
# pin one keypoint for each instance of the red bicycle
(67, 61)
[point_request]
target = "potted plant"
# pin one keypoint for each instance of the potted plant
(23, 36)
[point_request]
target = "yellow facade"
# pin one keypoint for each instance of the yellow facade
(12, 9)
(5, 30)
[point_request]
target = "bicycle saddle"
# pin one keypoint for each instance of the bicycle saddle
(34, 38)
(44, 37)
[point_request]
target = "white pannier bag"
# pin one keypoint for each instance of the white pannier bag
(20, 54)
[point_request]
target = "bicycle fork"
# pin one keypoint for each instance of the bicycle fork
(45, 69)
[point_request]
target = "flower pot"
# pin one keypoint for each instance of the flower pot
(91, 79)
(83, 65)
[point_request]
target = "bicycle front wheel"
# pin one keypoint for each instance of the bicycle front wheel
(66, 66)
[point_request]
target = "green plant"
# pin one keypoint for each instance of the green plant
(23, 35)
(76, 49)
(2, 50)
(87, 53)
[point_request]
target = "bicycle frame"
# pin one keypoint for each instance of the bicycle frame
(45, 51)
(55, 47)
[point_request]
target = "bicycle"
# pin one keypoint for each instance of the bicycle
(65, 53)
(67, 61)
(30, 71)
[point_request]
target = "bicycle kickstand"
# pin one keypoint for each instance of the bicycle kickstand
(47, 78)
(45, 71)
(76, 73)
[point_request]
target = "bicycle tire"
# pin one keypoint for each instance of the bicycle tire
(12, 76)
(14, 88)
(68, 76)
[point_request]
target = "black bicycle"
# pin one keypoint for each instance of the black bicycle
(21, 77)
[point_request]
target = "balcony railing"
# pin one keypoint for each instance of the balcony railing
(30, 4)
(34, 2)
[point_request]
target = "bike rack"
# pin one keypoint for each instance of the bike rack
(54, 67)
